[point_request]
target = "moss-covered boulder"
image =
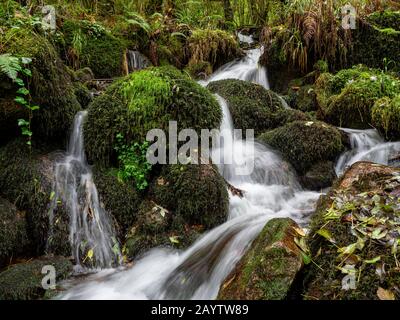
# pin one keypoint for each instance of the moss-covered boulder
(24, 281)
(386, 117)
(88, 44)
(305, 143)
(50, 87)
(120, 199)
(26, 181)
(158, 227)
(216, 47)
(267, 271)
(202, 193)
(254, 107)
(354, 237)
(82, 94)
(321, 175)
(346, 99)
(147, 100)
(303, 98)
(13, 234)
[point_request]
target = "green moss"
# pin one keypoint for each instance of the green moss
(386, 116)
(147, 100)
(24, 281)
(13, 235)
(82, 94)
(385, 19)
(268, 269)
(321, 175)
(119, 198)
(202, 193)
(26, 181)
(214, 46)
(51, 84)
(91, 45)
(158, 227)
(304, 144)
(346, 99)
(303, 98)
(251, 105)
(200, 70)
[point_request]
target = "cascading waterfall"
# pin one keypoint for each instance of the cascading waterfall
(367, 145)
(247, 69)
(91, 233)
(270, 191)
(136, 61)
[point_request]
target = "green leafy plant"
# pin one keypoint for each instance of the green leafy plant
(133, 162)
(13, 67)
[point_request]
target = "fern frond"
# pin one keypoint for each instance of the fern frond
(10, 66)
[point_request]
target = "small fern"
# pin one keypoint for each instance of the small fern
(10, 66)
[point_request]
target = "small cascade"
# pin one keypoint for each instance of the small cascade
(367, 145)
(91, 233)
(245, 38)
(136, 61)
(247, 69)
(270, 191)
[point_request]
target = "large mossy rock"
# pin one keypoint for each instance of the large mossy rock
(386, 117)
(120, 199)
(147, 100)
(183, 202)
(22, 183)
(385, 19)
(347, 98)
(24, 281)
(51, 88)
(198, 193)
(354, 237)
(101, 51)
(305, 143)
(13, 234)
(254, 107)
(267, 271)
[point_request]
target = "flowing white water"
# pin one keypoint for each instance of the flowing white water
(245, 38)
(136, 61)
(367, 145)
(270, 191)
(247, 69)
(90, 226)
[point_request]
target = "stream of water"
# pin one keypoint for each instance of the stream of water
(270, 191)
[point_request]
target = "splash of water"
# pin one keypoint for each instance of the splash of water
(366, 145)
(247, 69)
(91, 233)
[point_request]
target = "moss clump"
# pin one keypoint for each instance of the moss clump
(385, 19)
(321, 175)
(216, 47)
(268, 269)
(346, 99)
(120, 199)
(147, 100)
(304, 143)
(303, 98)
(158, 227)
(202, 193)
(251, 105)
(82, 94)
(200, 70)
(386, 117)
(90, 45)
(353, 229)
(51, 84)
(13, 235)
(24, 281)
(26, 180)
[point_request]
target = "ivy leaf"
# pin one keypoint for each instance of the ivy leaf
(89, 255)
(174, 240)
(21, 100)
(326, 234)
(24, 91)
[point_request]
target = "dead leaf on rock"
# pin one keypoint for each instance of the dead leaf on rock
(385, 294)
